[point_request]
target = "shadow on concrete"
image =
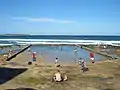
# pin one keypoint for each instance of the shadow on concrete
(7, 74)
(22, 89)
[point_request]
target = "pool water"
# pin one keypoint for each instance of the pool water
(63, 53)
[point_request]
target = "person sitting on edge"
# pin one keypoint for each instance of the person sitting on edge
(58, 77)
(65, 77)
(6, 56)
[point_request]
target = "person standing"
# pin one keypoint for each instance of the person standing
(92, 57)
(29, 50)
(34, 57)
(83, 65)
(80, 61)
(10, 53)
(57, 63)
(56, 60)
(29, 56)
(76, 54)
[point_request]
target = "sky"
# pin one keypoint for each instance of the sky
(60, 17)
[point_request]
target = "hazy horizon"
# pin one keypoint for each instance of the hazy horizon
(62, 34)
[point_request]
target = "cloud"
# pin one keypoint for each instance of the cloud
(50, 20)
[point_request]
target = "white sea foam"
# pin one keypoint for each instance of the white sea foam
(6, 44)
(55, 41)
(35, 43)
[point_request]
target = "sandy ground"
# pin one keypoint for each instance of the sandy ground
(103, 75)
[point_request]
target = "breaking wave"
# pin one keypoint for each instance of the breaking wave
(9, 42)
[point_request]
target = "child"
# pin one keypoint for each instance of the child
(84, 67)
(56, 60)
(80, 61)
(56, 63)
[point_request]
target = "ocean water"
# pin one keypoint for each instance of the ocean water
(70, 37)
(64, 53)
(57, 39)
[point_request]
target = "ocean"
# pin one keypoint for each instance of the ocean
(68, 39)
(65, 53)
(73, 37)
